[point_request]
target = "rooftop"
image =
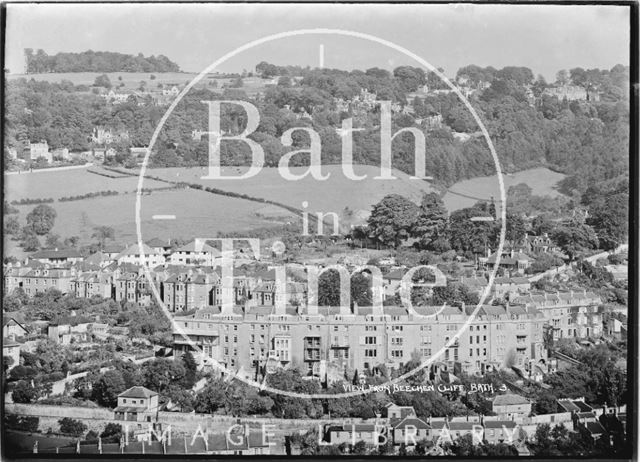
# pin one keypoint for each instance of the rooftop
(137, 392)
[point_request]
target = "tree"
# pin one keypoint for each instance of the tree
(392, 219)
(159, 374)
(107, 388)
(574, 238)
(102, 81)
(609, 217)
(41, 219)
(72, 427)
(52, 241)
(516, 228)
(30, 243)
(11, 225)
(191, 369)
(112, 432)
(23, 392)
(431, 223)
(102, 233)
(562, 77)
(211, 398)
(472, 236)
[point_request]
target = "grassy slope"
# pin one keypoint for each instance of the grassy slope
(541, 180)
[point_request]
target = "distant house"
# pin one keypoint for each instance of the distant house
(506, 286)
(463, 428)
(66, 333)
(11, 349)
(370, 433)
(410, 430)
(500, 431)
(39, 150)
(161, 245)
(53, 257)
(393, 411)
(12, 329)
(138, 404)
(196, 252)
(509, 406)
(61, 153)
(515, 262)
(619, 272)
(540, 244)
(112, 250)
(134, 255)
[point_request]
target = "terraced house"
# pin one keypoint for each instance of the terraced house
(334, 341)
(569, 314)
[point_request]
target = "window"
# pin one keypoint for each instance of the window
(370, 340)
(370, 353)
(471, 340)
(396, 353)
(471, 352)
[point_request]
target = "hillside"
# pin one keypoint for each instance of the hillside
(332, 195)
(542, 181)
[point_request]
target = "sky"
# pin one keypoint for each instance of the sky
(545, 38)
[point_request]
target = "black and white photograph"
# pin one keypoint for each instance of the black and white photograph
(327, 230)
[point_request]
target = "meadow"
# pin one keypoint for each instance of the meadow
(64, 183)
(198, 214)
(463, 194)
(131, 80)
(332, 195)
(203, 214)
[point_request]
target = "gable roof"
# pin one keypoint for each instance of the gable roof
(135, 250)
(137, 392)
(414, 422)
(500, 424)
(49, 254)
(197, 246)
(159, 243)
(509, 399)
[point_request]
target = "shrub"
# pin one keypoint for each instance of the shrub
(22, 423)
(71, 426)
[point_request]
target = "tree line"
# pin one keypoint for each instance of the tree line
(96, 61)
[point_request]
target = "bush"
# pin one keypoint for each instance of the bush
(22, 423)
(72, 427)
(91, 436)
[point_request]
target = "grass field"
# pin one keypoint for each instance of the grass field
(198, 214)
(541, 180)
(132, 80)
(202, 214)
(40, 185)
(332, 195)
